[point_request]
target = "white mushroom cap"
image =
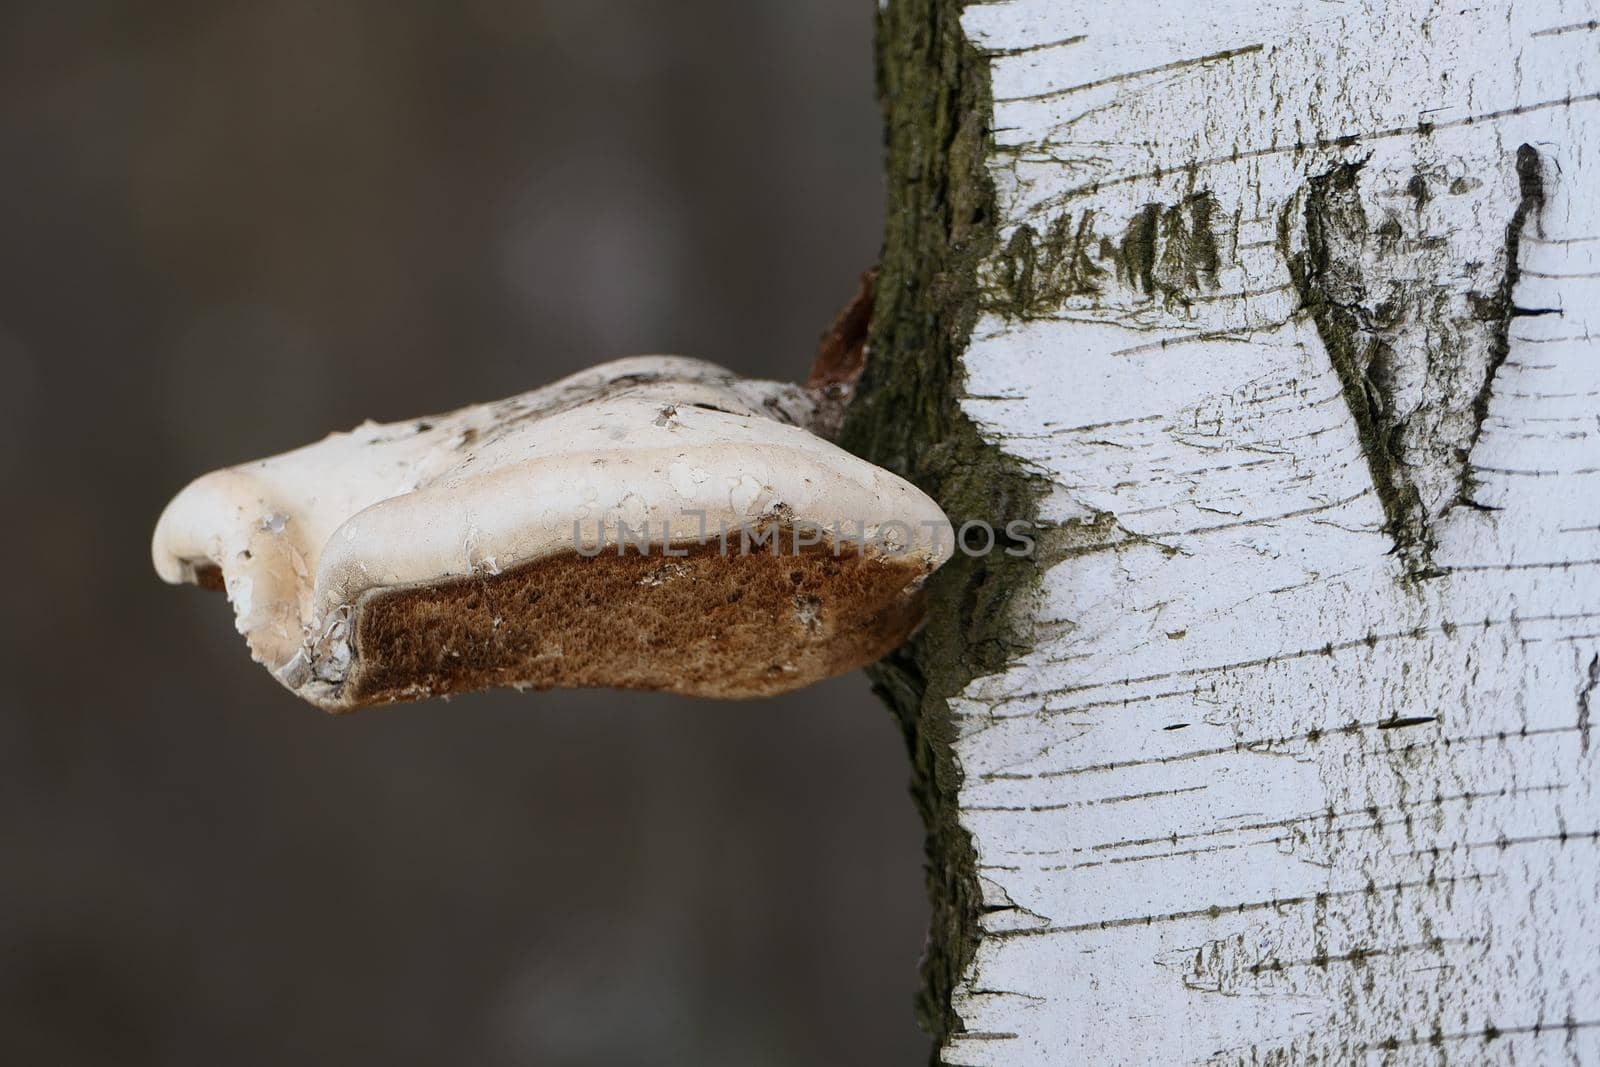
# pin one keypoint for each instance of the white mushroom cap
(358, 567)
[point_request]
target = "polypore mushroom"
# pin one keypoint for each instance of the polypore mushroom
(652, 523)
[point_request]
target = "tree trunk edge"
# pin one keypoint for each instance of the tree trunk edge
(940, 217)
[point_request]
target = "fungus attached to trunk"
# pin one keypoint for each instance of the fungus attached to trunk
(652, 523)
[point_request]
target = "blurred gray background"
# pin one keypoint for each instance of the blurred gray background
(227, 229)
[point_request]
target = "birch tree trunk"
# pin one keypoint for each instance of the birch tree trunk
(1279, 319)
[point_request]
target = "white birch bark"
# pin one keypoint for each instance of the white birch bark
(1296, 307)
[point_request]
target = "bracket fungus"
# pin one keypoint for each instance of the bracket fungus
(651, 523)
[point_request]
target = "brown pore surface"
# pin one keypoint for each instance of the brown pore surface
(707, 623)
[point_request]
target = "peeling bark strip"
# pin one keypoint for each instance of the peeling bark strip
(1282, 319)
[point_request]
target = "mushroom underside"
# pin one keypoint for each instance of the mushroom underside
(700, 619)
(706, 623)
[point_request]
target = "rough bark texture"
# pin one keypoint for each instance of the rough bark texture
(1277, 319)
(907, 417)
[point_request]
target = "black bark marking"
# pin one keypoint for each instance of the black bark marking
(1332, 287)
(1432, 884)
(1345, 140)
(1179, 64)
(1401, 723)
(1136, 261)
(1575, 27)
(1168, 252)
(1585, 695)
(1415, 351)
(1501, 308)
